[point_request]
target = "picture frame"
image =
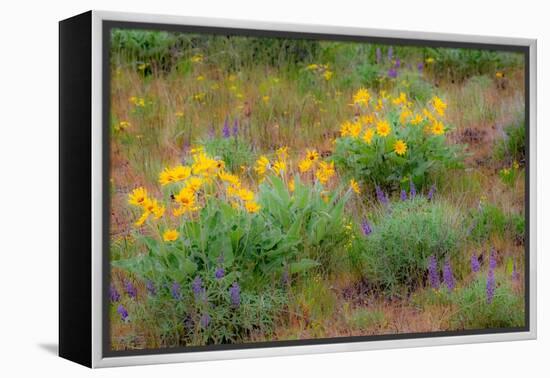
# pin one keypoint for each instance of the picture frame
(84, 150)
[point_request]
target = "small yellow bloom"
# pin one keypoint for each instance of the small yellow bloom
(265, 99)
(282, 153)
(401, 100)
(194, 184)
(405, 115)
(325, 172)
(245, 195)
(354, 185)
(383, 128)
(200, 78)
(438, 128)
(279, 167)
(170, 235)
(400, 147)
(142, 219)
(305, 165)
(312, 67)
(138, 196)
(417, 119)
(430, 60)
(439, 106)
(291, 185)
(328, 75)
(368, 119)
(229, 178)
(515, 165)
(122, 125)
(197, 58)
(312, 155)
(361, 97)
(262, 164)
(369, 134)
(499, 75)
(251, 207)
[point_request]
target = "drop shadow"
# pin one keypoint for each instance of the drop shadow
(51, 348)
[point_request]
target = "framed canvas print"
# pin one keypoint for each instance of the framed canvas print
(235, 189)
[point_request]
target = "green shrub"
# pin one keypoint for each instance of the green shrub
(490, 219)
(396, 252)
(506, 310)
(235, 152)
(511, 148)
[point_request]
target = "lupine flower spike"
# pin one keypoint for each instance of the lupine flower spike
(448, 277)
(474, 262)
(122, 312)
(433, 273)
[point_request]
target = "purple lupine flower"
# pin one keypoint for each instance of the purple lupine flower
(431, 192)
(433, 273)
(492, 259)
(448, 277)
(420, 67)
(403, 195)
(491, 285)
(515, 273)
(378, 55)
(397, 63)
(220, 272)
(176, 291)
(196, 285)
(474, 263)
(235, 127)
(413, 190)
(205, 320)
(366, 228)
(114, 295)
(381, 196)
(151, 288)
(122, 312)
(235, 293)
(392, 73)
(390, 53)
(130, 289)
(225, 131)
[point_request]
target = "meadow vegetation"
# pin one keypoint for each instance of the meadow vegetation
(268, 189)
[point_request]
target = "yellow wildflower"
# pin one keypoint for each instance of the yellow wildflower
(138, 196)
(439, 106)
(262, 164)
(197, 58)
(312, 155)
(265, 99)
(170, 235)
(400, 147)
(282, 153)
(438, 128)
(383, 128)
(305, 165)
(312, 67)
(367, 137)
(401, 100)
(245, 195)
(368, 119)
(361, 97)
(417, 119)
(279, 167)
(122, 125)
(354, 186)
(229, 178)
(291, 185)
(515, 165)
(499, 75)
(251, 207)
(430, 60)
(328, 75)
(194, 184)
(142, 219)
(325, 172)
(405, 115)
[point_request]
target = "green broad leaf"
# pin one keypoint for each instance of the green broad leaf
(303, 265)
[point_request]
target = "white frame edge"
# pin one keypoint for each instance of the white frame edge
(97, 311)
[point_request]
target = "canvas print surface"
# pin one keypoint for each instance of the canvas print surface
(268, 189)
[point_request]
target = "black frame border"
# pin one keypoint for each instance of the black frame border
(108, 25)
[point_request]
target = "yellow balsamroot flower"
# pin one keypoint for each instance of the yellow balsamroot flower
(291, 185)
(137, 101)
(122, 125)
(166, 177)
(262, 164)
(328, 75)
(279, 167)
(401, 100)
(417, 119)
(355, 129)
(245, 195)
(361, 97)
(312, 67)
(379, 105)
(138, 196)
(438, 128)
(515, 165)
(204, 165)
(400, 147)
(405, 115)
(324, 196)
(312, 155)
(305, 165)
(186, 200)
(194, 184)
(232, 190)
(265, 99)
(229, 178)
(282, 153)
(439, 106)
(170, 235)
(430, 60)
(181, 172)
(345, 128)
(142, 219)
(383, 128)
(354, 185)
(368, 119)
(367, 137)
(499, 75)
(252, 207)
(325, 172)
